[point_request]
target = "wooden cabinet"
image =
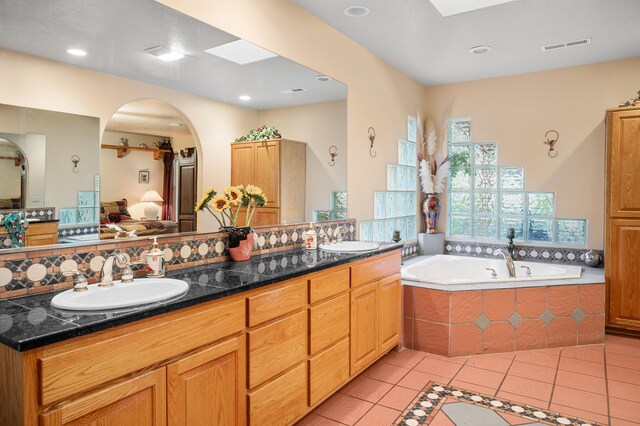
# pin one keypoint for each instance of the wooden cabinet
(622, 256)
(364, 326)
(390, 295)
(38, 234)
(278, 166)
(207, 388)
(138, 401)
(281, 401)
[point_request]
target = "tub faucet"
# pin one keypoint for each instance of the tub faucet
(511, 267)
(106, 273)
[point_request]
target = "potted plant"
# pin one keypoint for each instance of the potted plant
(226, 207)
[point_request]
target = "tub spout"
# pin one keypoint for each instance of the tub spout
(511, 267)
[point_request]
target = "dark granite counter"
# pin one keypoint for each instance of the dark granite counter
(30, 322)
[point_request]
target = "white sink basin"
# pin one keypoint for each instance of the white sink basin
(350, 246)
(140, 292)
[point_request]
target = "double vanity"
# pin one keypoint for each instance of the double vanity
(258, 342)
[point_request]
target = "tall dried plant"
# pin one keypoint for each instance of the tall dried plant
(432, 155)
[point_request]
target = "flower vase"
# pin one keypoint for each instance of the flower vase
(240, 243)
(431, 213)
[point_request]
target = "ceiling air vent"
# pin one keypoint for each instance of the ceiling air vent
(289, 91)
(566, 44)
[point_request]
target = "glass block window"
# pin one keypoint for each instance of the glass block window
(485, 200)
(338, 208)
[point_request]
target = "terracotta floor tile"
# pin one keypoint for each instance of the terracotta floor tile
(583, 367)
(626, 361)
(532, 371)
(622, 346)
(490, 362)
(478, 376)
(484, 390)
(398, 398)
(441, 419)
(620, 422)
(580, 399)
(580, 413)
(621, 374)
(344, 409)
(623, 390)
(505, 355)
(454, 359)
(573, 380)
(386, 372)
(527, 387)
(316, 420)
(366, 388)
(514, 420)
(522, 400)
(538, 358)
(593, 353)
(625, 410)
(379, 416)
(418, 380)
(438, 367)
(406, 358)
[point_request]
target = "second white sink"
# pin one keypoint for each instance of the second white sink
(141, 291)
(350, 246)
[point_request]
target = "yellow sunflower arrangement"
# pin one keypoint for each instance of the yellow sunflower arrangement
(226, 207)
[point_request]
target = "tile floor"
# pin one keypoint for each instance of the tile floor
(597, 382)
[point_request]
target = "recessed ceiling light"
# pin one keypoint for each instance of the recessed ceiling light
(76, 52)
(241, 52)
(323, 78)
(455, 7)
(244, 97)
(356, 11)
(175, 124)
(480, 50)
(166, 55)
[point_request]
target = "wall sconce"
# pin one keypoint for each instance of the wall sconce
(551, 141)
(75, 160)
(372, 138)
(333, 153)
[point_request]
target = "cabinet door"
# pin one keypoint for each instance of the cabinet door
(207, 388)
(364, 326)
(623, 266)
(623, 163)
(390, 312)
(243, 163)
(280, 401)
(139, 401)
(267, 171)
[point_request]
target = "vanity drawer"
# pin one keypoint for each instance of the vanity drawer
(85, 362)
(281, 401)
(328, 323)
(328, 370)
(328, 285)
(276, 347)
(275, 303)
(375, 268)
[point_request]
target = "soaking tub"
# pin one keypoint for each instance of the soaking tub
(453, 270)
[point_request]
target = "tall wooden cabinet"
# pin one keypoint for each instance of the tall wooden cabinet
(622, 256)
(278, 166)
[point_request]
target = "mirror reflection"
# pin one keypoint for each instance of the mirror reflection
(122, 140)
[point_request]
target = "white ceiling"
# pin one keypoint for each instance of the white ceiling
(115, 34)
(148, 117)
(415, 38)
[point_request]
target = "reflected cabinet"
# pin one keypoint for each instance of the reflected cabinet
(622, 257)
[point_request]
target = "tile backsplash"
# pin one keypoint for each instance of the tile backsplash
(36, 271)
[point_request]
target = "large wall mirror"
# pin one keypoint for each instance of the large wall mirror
(116, 116)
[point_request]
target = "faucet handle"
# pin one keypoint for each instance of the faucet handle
(494, 274)
(528, 272)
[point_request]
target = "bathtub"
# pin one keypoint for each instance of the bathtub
(452, 270)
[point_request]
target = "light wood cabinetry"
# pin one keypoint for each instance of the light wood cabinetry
(278, 166)
(266, 356)
(622, 256)
(38, 234)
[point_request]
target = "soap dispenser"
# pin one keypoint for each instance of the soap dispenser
(155, 260)
(310, 238)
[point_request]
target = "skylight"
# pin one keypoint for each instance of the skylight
(455, 7)
(241, 52)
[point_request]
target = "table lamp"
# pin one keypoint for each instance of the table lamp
(151, 209)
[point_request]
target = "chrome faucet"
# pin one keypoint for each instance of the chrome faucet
(511, 267)
(106, 272)
(340, 231)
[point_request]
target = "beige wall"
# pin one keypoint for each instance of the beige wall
(517, 111)
(320, 125)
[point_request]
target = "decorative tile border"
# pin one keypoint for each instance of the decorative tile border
(70, 231)
(35, 271)
(44, 213)
(470, 322)
(547, 254)
(426, 406)
(410, 249)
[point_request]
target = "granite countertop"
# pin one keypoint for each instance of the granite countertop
(30, 322)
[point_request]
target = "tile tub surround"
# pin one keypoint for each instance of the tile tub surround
(36, 270)
(525, 252)
(29, 322)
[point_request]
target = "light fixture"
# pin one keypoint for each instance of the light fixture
(244, 97)
(455, 7)
(151, 209)
(356, 11)
(241, 52)
(76, 52)
(165, 54)
(323, 78)
(480, 50)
